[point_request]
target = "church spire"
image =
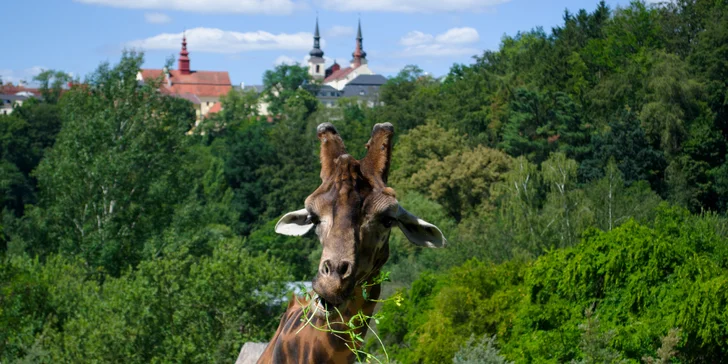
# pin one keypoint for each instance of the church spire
(316, 51)
(316, 59)
(359, 56)
(184, 59)
(358, 33)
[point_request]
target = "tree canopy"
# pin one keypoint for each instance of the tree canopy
(580, 175)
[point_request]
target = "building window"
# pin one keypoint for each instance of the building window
(318, 68)
(361, 93)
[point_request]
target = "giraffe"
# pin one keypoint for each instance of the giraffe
(352, 212)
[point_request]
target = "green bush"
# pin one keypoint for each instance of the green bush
(483, 351)
(175, 309)
(640, 280)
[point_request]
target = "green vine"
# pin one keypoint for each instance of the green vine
(350, 334)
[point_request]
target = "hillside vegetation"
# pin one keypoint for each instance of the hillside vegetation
(580, 175)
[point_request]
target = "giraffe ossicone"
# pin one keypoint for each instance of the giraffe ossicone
(352, 212)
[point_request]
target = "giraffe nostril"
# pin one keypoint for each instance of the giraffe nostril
(326, 268)
(344, 269)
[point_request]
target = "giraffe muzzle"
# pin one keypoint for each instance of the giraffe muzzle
(334, 281)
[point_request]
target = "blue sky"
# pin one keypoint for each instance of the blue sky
(247, 37)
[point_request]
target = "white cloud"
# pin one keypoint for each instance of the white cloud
(213, 40)
(458, 36)
(285, 60)
(157, 18)
(449, 43)
(339, 31)
(410, 6)
(415, 37)
(16, 76)
(272, 7)
(34, 71)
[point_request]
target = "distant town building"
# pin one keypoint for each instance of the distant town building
(338, 77)
(12, 96)
(366, 89)
(8, 102)
(316, 57)
(327, 95)
(202, 88)
(356, 81)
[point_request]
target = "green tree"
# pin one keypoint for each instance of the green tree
(407, 98)
(293, 251)
(565, 207)
(517, 224)
(420, 145)
(640, 281)
(175, 308)
(293, 175)
(248, 149)
(461, 182)
(355, 128)
(281, 84)
(540, 123)
(238, 107)
(625, 141)
(484, 351)
(25, 136)
(52, 83)
(473, 103)
(113, 176)
(671, 103)
(614, 202)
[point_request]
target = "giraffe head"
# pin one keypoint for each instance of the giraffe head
(353, 212)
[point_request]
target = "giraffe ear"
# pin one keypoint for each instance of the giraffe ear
(418, 231)
(295, 223)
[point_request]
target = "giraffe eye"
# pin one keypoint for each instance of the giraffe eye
(312, 219)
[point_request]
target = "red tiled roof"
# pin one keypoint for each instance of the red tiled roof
(9, 88)
(339, 74)
(215, 108)
(200, 83)
(187, 96)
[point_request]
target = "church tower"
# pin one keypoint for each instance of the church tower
(359, 57)
(316, 59)
(184, 59)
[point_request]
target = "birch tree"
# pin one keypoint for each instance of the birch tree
(113, 176)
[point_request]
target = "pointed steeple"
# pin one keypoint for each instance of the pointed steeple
(316, 51)
(184, 59)
(359, 56)
(358, 32)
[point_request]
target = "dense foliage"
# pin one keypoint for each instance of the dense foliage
(580, 176)
(638, 280)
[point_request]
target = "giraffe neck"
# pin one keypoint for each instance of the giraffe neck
(297, 340)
